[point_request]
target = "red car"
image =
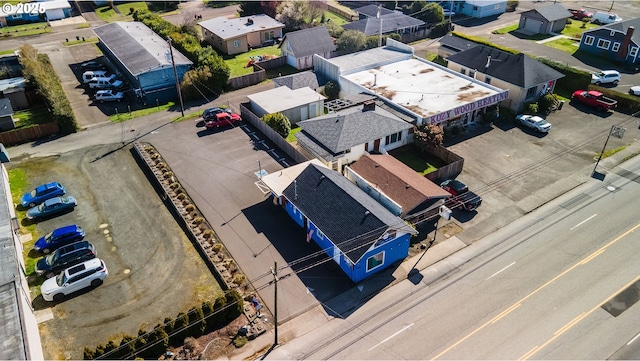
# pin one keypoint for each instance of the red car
(222, 119)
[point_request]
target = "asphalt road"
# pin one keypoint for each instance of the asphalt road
(550, 287)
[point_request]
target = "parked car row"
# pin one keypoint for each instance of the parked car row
(108, 87)
(67, 256)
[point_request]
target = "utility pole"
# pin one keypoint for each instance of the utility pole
(175, 74)
(618, 132)
(274, 272)
(379, 17)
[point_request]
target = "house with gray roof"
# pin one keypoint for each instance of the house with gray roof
(342, 137)
(298, 80)
(358, 233)
(239, 35)
(300, 46)
(6, 115)
(544, 20)
(19, 332)
(526, 78)
(452, 44)
(617, 42)
(143, 58)
(392, 23)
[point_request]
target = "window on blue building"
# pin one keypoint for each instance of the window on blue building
(604, 44)
(589, 40)
(375, 261)
(615, 47)
(633, 52)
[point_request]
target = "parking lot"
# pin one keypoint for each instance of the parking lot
(154, 271)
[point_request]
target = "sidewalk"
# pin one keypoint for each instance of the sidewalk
(438, 261)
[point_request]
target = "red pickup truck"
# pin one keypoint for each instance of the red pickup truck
(580, 14)
(594, 99)
(222, 119)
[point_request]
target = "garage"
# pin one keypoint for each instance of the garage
(533, 26)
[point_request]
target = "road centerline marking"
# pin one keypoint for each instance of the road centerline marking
(579, 224)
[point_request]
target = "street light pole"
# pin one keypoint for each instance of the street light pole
(274, 271)
(175, 74)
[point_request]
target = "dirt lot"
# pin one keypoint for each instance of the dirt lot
(154, 270)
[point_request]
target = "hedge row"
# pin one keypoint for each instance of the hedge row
(573, 78)
(187, 43)
(194, 323)
(38, 69)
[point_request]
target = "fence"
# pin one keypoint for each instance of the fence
(23, 135)
(451, 170)
(256, 122)
(259, 74)
(349, 15)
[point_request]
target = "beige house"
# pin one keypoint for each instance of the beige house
(238, 35)
(296, 105)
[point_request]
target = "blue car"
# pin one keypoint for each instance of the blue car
(42, 193)
(52, 207)
(58, 238)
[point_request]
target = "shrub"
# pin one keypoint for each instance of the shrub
(240, 341)
(216, 247)
(531, 108)
(332, 90)
(190, 208)
(198, 220)
(182, 196)
(279, 123)
(545, 103)
(208, 234)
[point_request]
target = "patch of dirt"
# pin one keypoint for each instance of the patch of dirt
(211, 346)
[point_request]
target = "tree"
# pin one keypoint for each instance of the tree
(279, 123)
(269, 7)
(331, 90)
(431, 13)
(315, 10)
(292, 14)
(334, 29)
(351, 41)
(428, 136)
(248, 8)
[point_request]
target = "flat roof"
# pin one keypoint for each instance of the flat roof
(428, 90)
(283, 98)
(364, 59)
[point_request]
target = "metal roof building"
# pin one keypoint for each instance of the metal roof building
(143, 58)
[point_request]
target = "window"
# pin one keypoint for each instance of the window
(612, 33)
(236, 43)
(463, 71)
(588, 40)
(487, 79)
(396, 137)
(615, 47)
(472, 74)
(375, 261)
(604, 44)
(634, 51)
(531, 92)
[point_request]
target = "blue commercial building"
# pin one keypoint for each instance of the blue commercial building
(144, 59)
(479, 8)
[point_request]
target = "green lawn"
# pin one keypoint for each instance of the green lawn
(32, 116)
(575, 29)
(237, 63)
(24, 30)
(506, 29)
(567, 45)
(291, 137)
(120, 117)
(76, 42)
(107, 13)
(415, 160)
(335, 18)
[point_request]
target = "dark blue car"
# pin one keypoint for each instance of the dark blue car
(42, 193)
(58, 238)
(52, 207)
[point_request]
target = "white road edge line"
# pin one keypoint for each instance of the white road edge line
(392, 336)
(578, 225)
(501, 270)
(633, 339)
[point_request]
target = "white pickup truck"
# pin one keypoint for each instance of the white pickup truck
(109, 96)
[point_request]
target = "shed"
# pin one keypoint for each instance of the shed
(300, 46)
(301, 104)
(544, 20)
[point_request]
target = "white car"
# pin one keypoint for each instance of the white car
(635, 90)
(88, 274)
(605, 77)
(109, 96)
(534, 122)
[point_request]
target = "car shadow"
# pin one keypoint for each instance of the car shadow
(463, 216)
(590, 110)
(531, 132)
(210, 131)
(39, 303)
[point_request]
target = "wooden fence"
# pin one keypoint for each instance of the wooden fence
(259, 74)
(275, 138)
(451, 170)
(349, 15)
(23, 135)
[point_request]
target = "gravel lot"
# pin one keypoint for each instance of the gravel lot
(150, 259)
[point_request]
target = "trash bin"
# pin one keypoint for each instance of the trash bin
(560, 105)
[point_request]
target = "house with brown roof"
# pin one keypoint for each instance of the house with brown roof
(393, 184)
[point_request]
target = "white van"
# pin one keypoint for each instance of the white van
(105, 83)
(601, 17)
(88, 75)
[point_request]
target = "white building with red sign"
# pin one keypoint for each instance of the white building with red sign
(428, 92)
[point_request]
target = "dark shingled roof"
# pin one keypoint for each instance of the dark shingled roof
(350, 127)
(349, 217)
(5, 107)
(390, 23)
(372, 10)
(457, 43)
(137, 47)
(309, 41)
(621, 26)
(552, 12)
(517, 69)
(298, 80)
